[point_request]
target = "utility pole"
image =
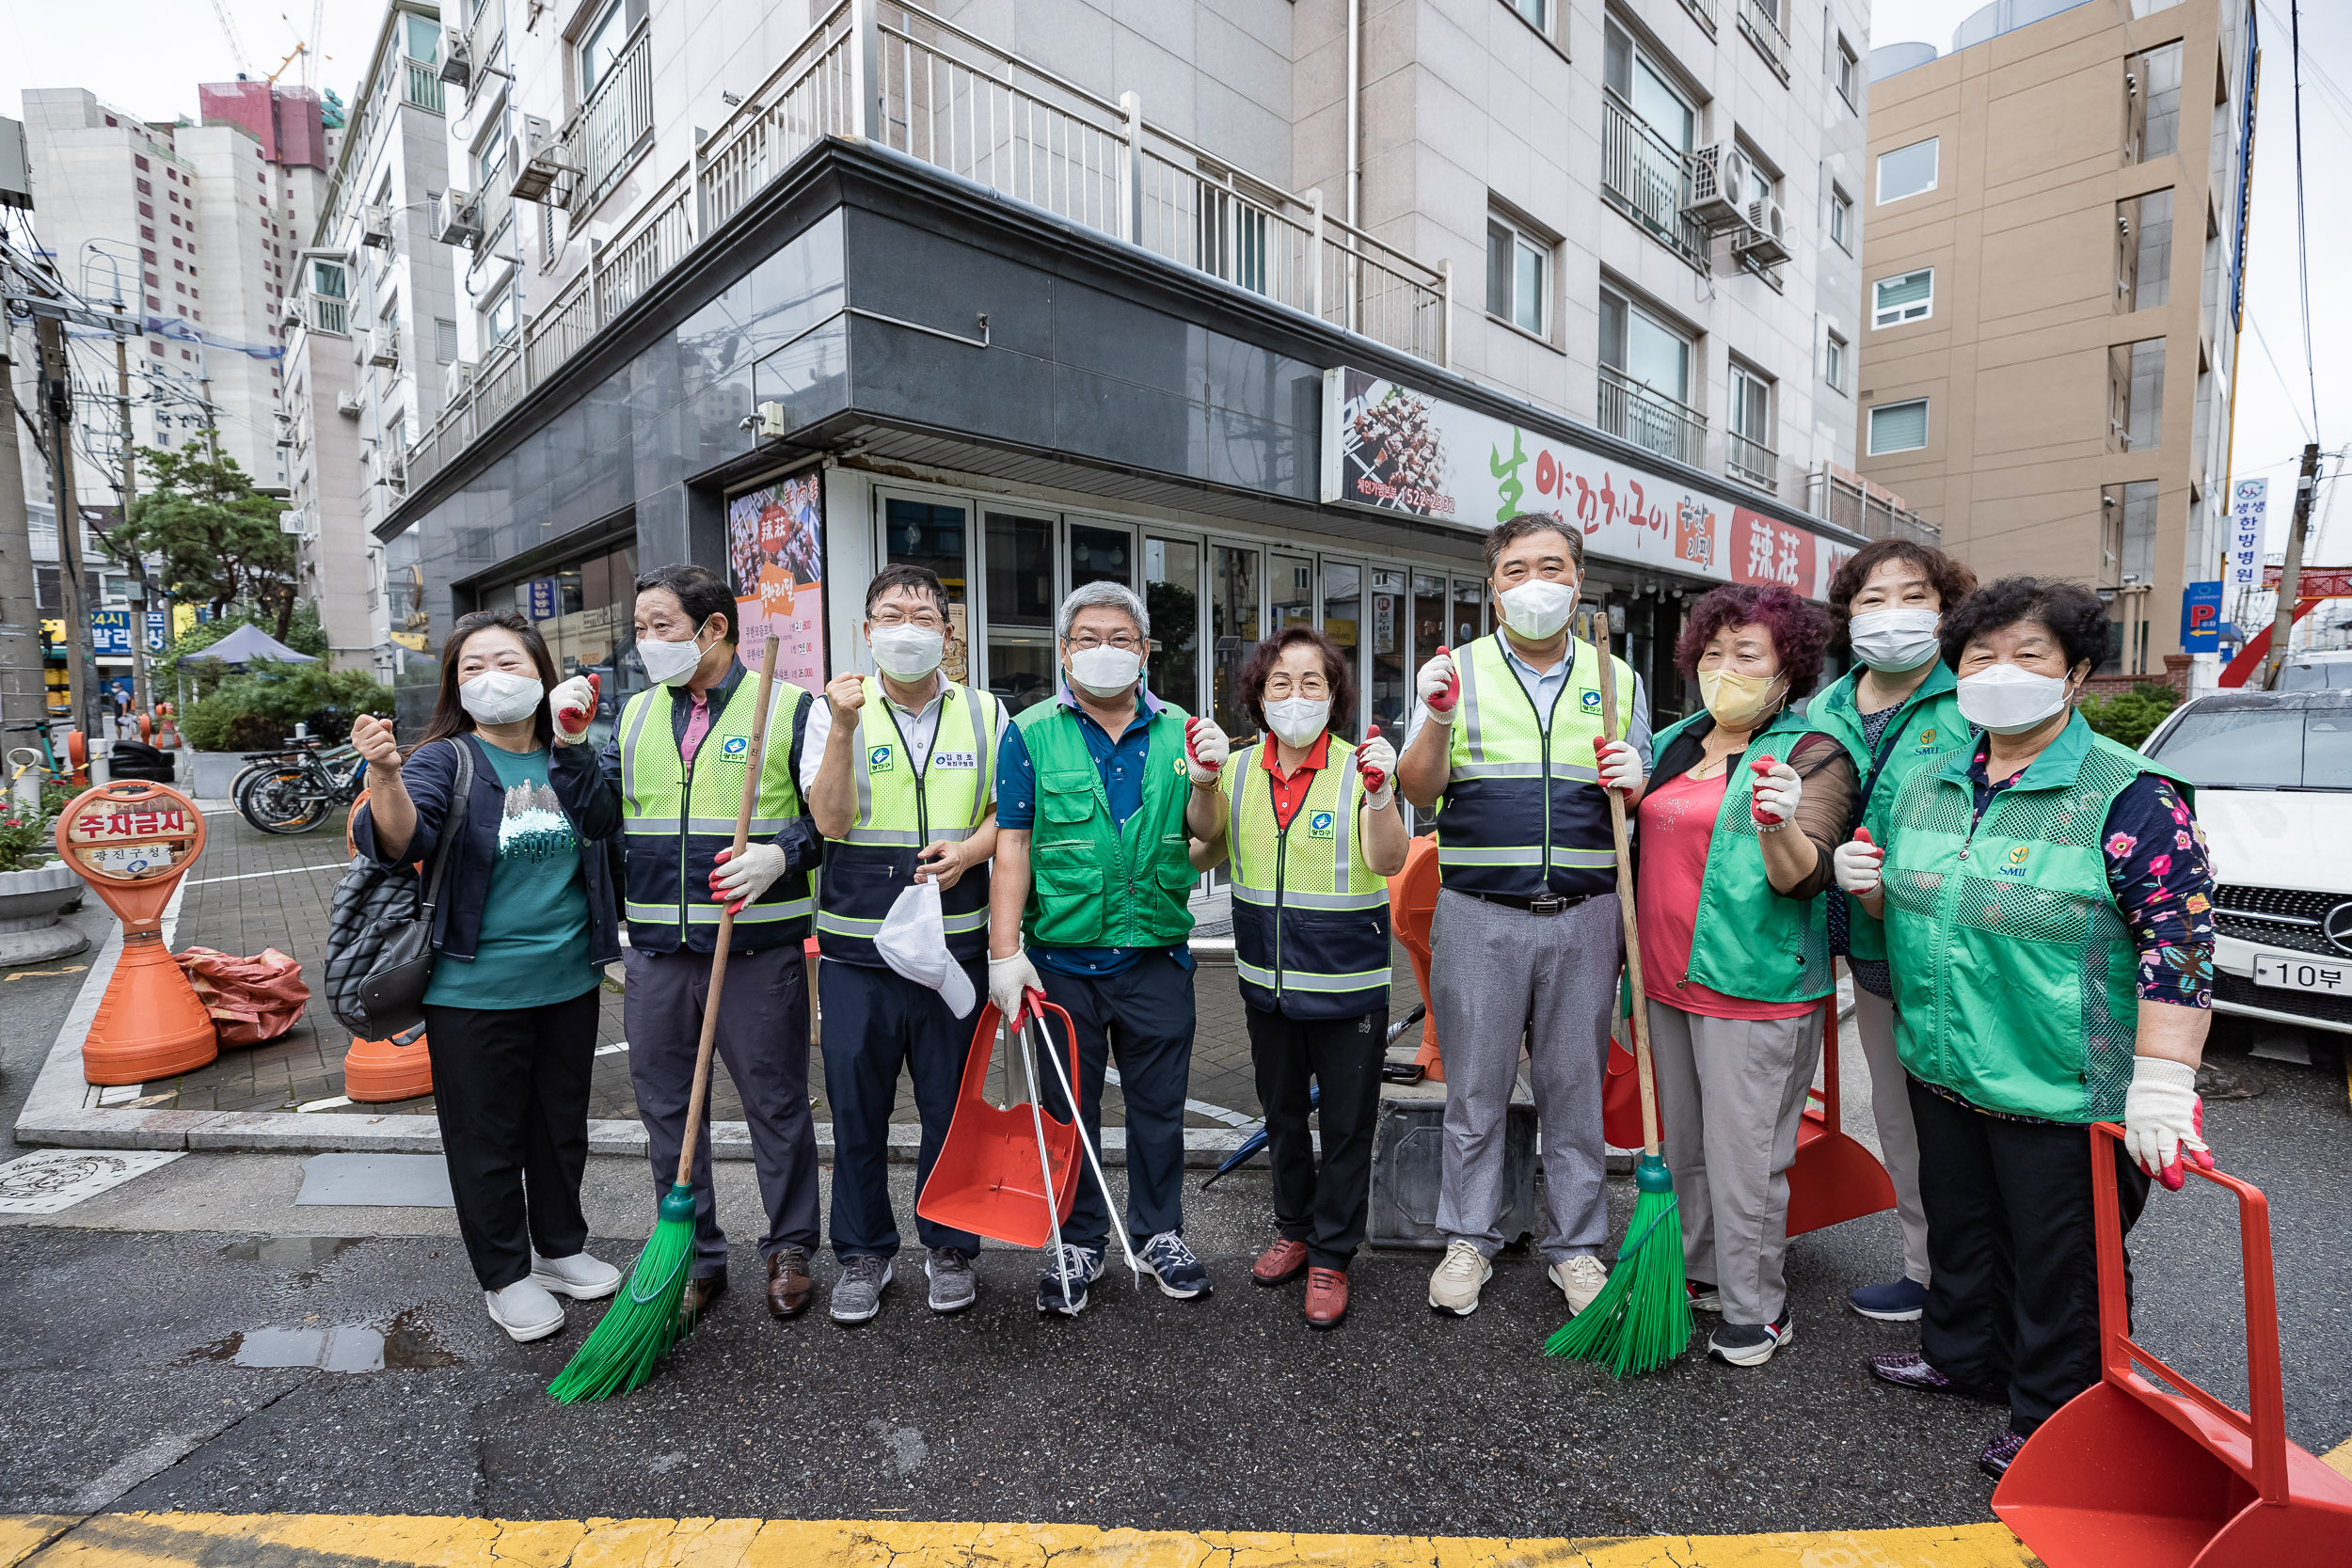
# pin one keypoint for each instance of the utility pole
(140, 593)
(24, 694)
(58, 390)
(2291, 574)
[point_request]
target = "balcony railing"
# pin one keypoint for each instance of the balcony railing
(1650, 420)
(423, 88)
(1703, 11)
(1860, 507)
(1751, 462)
(1648, 179)
(907, 80)
(321, 314)
(1759, 19)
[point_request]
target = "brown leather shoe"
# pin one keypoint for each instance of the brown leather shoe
(1326, 1298)
(699, 1294)
(789, 1287)
(1281, 1263)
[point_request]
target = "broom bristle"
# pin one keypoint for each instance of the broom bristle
(643, 1321)
(1642, 1318)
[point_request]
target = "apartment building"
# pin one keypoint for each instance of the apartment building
(373, 334)
(1266, 311)
(2055, 264)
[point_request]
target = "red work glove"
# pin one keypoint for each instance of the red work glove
(574, 704)
(1374, 758)
(1205, 750)
(1858, 864)
(1439, 684)
(1774, 792)
(1618, 764)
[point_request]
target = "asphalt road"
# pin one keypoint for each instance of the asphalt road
(125, 1325)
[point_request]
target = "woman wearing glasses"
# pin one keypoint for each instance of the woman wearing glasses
(1314, 833)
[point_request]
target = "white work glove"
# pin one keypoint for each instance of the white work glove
(1620, 764)
(1776, 790)
(1206, 747)
(573, 703)
(736, 880)
(1857, 864)
(1375, 759)
(2164, 1120)
(1011, 984)
(1439, 684)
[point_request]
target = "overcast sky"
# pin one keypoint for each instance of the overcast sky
(173, 44)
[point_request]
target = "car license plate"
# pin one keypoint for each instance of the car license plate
(2276, 969)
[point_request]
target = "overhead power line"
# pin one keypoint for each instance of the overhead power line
(2302, 239)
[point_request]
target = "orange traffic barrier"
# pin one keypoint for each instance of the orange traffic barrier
(167, 738)
(76, 757)
(1412, 909)
(132, 842)
(376, 1072)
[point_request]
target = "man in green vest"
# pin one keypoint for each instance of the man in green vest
(677, 757)
(1098, 793)
(1510, 750)
(899, 768)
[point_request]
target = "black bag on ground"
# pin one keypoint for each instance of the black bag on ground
(137, 759)
(379, 932)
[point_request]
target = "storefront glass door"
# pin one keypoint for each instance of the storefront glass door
(1389, 642)
(1235, 628)
(1020, 662)
(1343, 624)
(1100, 553)
(1290, 585)
(1171, 596)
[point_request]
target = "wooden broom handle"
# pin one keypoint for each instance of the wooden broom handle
(726, 919)
(1640, 1010)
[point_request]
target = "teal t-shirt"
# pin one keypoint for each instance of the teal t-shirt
(533, 948)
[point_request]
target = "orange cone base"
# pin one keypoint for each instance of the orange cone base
(150, 1026)
(376, 1072)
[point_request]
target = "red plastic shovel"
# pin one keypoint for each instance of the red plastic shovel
(989, 1178)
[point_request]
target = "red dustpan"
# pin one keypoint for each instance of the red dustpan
(2129, 1472)
(1833, 1179)
(989, 1178)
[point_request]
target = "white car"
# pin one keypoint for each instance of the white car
(2273, 772)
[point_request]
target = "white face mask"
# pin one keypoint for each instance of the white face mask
(1297, 719)
(668, 663)
(2009, 699)
(907, 653)
(1894, 639)
(1537, 609)
(1105, 671)
(498, 697)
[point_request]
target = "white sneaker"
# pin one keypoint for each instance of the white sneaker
(578, 1276)
(525, 1310)
(1581, 1279)
(1454, 1288)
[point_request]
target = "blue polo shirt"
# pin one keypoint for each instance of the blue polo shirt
(1121, 762)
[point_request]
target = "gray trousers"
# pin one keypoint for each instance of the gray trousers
(1730, 1095)
(1898, 1141)
(1497, 974)
(763, 1038)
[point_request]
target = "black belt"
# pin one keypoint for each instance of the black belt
(1549, 903)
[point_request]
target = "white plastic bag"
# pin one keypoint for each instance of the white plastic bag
(914, 942)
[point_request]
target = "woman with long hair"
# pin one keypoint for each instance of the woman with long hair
(525, 926)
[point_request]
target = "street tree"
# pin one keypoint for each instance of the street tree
(219, 539)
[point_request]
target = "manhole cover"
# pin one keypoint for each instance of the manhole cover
(59, 1178)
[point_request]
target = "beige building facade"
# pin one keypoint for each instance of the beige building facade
(2051, 295)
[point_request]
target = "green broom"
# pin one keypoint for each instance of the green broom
(644, 1318)
(1642, 1318)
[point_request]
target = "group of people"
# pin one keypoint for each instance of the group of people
(2025, 907)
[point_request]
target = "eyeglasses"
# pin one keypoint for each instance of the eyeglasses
(930, 620)
(1313, 688)
(1126, 642)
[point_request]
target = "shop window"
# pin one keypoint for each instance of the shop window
(1343, 624)
(1388, 639)
(1020, 656)
(2144, 251)
(929, 533)
(1469, 611)
(1100, 554)
(2152, 103)
(586, 611)
(1171, 592)
(1237, 629)
(1291, 584)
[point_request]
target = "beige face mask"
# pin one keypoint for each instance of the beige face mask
(1737, 701)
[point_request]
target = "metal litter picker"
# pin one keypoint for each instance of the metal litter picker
(644, 1320)
(1642, 1318)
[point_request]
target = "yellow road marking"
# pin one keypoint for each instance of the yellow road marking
(2338, 1459)
(22, 1536)
(358, 1540)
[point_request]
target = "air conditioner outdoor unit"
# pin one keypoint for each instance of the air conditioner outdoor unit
(1765, 240)
(291, 311)
(536, 159)
(383, 346)
(289, 520)
(349, 405)
(375, 228)
(456, 220)
(1719, 178)
(455, 64)
(456, 376)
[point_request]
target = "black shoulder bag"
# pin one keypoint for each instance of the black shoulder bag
(394, 992)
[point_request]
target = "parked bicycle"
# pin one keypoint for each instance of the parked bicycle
(294, 790)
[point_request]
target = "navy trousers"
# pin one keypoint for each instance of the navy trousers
(876, 1021)
(1142, 1017)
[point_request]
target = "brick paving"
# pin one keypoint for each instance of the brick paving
(252, 889)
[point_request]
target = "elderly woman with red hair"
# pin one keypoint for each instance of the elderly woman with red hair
(1738, 820)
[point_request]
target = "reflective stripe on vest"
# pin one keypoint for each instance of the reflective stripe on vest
(1310, 929)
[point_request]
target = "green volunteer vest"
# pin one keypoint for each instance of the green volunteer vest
(1523, 813)
(2013, 970)
(676, 818)
(904, 803)
(1928, 726)
(1094, 884)
(1311, 919)
(1748, 940)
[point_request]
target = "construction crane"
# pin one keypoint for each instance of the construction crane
(229, 30)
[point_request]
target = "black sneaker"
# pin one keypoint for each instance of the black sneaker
(1900, 1301)
(1166, 1259)
(1751, 1344)
(1080, 1266)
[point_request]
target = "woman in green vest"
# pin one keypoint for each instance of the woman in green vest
(1315, 835)
(2048, 906)
(1735, 944)
(1894, 712)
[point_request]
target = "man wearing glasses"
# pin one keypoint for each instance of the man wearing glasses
(896, 768)
(1099, 794)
